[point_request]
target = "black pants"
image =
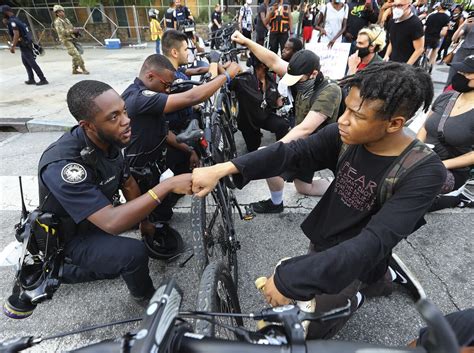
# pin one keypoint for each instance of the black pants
(277, 41)
(252, 135)
(327, 302)
(99, 255)
(29, 61)
(444, 48)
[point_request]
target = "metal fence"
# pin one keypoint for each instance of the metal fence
(128, 23)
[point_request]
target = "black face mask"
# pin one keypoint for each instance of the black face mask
(461, 83)
(363, 52)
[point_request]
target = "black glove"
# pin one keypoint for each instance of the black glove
(214, 56)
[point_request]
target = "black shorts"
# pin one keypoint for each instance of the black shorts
(246, 33)
(305, 175)
(431, 42)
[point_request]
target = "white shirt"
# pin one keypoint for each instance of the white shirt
(333, 23)
(246, 14)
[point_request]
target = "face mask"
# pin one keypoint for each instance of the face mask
(363, 52)
(397, 13)
(461, 83)
(305, 85)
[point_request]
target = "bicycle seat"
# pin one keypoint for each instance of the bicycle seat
(191, 134)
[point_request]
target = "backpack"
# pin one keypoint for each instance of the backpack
(416, 153)
(317, 91)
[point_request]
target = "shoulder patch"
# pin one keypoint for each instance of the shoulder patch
(73, 173)
(148, 93)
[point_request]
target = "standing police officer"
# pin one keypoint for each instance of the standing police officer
(147, 102)
(21, 36)
(67, 35)
(182, 13)
(79, 178)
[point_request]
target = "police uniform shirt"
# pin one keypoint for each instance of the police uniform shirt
(182, 14)
(15, 24)
(145, 109)
(78, 188)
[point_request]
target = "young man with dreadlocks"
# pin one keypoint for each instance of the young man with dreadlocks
(355, 226)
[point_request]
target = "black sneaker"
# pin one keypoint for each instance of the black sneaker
(165, 244)
(144, 300)
(405, 278)
(30, 82)
(266, 206)
(42, 82)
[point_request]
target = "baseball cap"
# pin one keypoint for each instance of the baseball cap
(5, 8)
(303, 62)
(467, 65)
(58, 8)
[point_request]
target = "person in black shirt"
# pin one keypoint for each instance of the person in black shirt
(216, 20)
(361, 14)
(261, 29)
(257, 94)
(352, 233)
(406, 43)
(436, 26)
(455, 21)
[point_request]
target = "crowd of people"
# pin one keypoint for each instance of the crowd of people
(385, 180)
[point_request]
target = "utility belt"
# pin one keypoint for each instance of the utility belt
(149, 175)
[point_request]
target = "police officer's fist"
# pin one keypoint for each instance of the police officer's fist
(233, 69)
(238, 38)
(181, 184)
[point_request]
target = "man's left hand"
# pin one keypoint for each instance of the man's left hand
(12, 50)
(272, 295)
(331, 43)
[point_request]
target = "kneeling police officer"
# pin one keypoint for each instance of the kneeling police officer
(79, 178)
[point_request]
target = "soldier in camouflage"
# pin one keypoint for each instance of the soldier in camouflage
(67, 34)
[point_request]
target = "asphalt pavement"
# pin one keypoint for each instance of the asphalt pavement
(440, 253)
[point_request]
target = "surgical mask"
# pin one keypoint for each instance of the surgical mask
(305, 85)
(397, 13)
(363, 52)
(461, 83)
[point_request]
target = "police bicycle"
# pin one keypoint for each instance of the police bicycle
(212, 217)
(165, 329)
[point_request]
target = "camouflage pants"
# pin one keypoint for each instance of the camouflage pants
(76, 57)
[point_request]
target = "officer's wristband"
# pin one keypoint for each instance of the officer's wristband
(154, 196)
(227, 76)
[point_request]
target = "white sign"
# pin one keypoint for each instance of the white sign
(334, 60)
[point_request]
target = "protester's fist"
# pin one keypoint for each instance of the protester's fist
(205, 180)
(238, 38)
(181, 184)
(233, 69)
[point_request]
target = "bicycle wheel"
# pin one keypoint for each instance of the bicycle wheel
(223, 147)
(212, 229)
(217, 293)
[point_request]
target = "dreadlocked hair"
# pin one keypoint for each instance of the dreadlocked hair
(402, 88)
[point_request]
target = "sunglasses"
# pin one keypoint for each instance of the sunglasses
(167, 85)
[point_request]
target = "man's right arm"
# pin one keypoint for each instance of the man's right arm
(199, 94)
(269, 58)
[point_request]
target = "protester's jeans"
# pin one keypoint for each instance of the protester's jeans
(158, 46)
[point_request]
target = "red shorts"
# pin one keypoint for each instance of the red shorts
(307, 33)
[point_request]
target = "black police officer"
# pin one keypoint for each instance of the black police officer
(147, 102)
(21, 37)
(79, 177)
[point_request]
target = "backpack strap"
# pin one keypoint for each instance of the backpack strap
(342, 154)
(447, 111)
(416, 153)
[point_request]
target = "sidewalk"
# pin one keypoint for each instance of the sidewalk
(44, 109)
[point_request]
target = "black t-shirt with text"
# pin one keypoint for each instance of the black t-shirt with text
(352, 234)
(402, 35)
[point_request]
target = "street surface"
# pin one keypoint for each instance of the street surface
(440, 253)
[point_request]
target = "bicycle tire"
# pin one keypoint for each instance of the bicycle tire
(211, 230)
(217, 293)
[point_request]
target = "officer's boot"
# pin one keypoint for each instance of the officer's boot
(84, 71)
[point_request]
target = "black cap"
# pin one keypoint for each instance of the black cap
(467, 65)
(303, 62)
(5, 8)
